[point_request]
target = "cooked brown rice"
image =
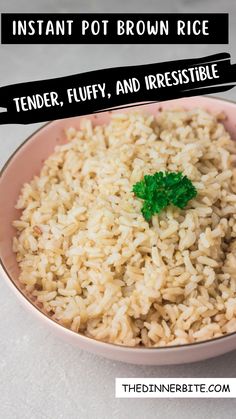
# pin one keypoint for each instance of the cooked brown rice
(96, 266)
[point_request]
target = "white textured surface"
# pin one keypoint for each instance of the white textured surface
(40, 376)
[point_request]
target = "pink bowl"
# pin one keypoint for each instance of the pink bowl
(23, 165)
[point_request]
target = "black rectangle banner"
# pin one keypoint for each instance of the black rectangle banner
(114, 28)
(95, 91)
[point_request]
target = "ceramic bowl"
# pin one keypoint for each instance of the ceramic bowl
(23, 165)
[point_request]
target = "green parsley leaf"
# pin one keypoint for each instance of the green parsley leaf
(162, 189)
(140, 189)
(147, 210)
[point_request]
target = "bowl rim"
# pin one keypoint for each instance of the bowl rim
(80, 335)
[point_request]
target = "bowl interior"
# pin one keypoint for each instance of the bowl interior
(28, 159)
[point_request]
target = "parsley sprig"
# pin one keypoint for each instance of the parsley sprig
(162, 189)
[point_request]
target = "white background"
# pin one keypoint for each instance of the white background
(40, 376)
